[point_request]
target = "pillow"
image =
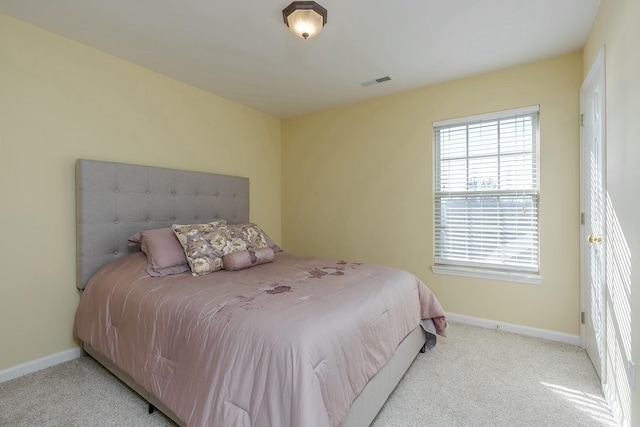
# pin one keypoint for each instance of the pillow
(250, 237)
(164, 253)
(245, 259)
(136, 239)
(204, 245)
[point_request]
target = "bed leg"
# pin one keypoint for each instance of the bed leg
(152, 408)
(424, 348)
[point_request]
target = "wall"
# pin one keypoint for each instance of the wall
(616, 27)
(358, 185)
(60, 101)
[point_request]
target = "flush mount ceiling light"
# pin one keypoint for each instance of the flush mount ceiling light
(305, 18)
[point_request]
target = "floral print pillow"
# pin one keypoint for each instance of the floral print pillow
(247, 237)
(204, 245)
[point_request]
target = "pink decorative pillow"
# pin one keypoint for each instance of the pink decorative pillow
(164, 253)
(245, 259)
(204, 245)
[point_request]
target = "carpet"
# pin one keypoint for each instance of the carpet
(475, 377)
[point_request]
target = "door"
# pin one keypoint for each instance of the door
(592, 102)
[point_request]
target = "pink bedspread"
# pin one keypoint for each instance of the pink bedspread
(290, 343)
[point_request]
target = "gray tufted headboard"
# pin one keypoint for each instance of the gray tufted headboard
(116, 200)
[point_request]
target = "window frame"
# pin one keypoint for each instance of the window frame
(471, 269)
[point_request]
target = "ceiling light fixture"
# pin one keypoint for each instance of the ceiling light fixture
(305, 18)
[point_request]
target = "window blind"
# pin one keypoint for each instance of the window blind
(486, 191)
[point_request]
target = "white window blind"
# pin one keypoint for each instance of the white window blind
(486, 191)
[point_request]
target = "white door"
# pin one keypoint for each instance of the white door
(593, 203)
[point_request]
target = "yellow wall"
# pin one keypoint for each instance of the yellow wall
(357, 184)
(60, 101)
(616, 27)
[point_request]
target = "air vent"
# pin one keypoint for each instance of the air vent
(376, 81)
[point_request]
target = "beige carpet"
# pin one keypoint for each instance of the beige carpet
(476, 377)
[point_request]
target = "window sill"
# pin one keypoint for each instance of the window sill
(526, 278)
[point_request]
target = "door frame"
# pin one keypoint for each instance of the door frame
(597, 67)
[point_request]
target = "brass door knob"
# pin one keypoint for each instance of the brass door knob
(594, 239)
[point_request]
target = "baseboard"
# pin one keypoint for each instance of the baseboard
(39, 364)
(74, 353)
(517, 329)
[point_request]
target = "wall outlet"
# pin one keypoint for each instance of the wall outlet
(632, 375)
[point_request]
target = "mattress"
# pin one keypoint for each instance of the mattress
(288, 343)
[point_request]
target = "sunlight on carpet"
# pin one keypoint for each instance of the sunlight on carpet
(594, 406)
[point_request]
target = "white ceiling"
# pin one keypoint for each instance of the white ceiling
(243, 51)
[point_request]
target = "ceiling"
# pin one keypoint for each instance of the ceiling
(243, 51)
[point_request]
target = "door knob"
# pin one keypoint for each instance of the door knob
(594, 239)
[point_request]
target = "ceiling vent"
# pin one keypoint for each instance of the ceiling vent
(376, 81)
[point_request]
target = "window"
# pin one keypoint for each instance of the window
(486, 196)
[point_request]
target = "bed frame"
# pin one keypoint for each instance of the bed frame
(116, 200)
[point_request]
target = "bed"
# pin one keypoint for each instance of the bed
(294, 341)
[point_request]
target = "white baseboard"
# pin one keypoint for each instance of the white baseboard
(38, 364)
(74, 353)
(518, 329)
